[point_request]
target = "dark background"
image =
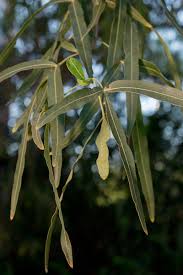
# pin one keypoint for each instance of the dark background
(100, 217)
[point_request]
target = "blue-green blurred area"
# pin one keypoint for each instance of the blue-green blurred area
(100, 217)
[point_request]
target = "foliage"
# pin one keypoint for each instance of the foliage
(49, 102)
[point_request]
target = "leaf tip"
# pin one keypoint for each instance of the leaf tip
(12, 214)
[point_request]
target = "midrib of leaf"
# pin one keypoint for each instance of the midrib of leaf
(80, 33)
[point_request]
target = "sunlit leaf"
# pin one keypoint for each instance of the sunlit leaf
(75, 67)
(66, 246)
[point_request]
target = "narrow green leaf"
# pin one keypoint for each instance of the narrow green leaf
(66, 246)
(56, 96)
(48, 240)
(21, 161)
(88, 111)
(98, 9)
(73, 101)
(160, 92)
(171, 17)
(128, 160)
(131, 49)
(140, 146)
(19, 122)
(9, 47)
(115, 50)
(75, 67)
(103, 156)
(25, 66)
(139, 18)
(79, 29)
(151, 69)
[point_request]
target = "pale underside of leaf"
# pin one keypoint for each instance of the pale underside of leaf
(103, 156)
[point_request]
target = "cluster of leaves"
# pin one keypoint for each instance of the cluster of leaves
(124, 68)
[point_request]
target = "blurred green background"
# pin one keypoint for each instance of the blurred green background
(100, 217)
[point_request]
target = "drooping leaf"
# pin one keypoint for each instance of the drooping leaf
(56, 96)
(115, 50)
(141, 151)
(151, 69)
(128, 160)
(79, 29)
(89, 110)
(73, 101)
(171, 17)
(103, 156)
(21, 161)
(48, 240)
(66, 246)
(98, 9)
(157, 91)
(9, 47)
(25, 66)
(131, 49)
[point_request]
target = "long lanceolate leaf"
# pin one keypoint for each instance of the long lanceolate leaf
(25, 66)
(140, 146)
(115, 50)
(21, 161)
(171, 18)
(55, 96)
(160, 92)
(131, 49)
(73, 101)
(7, 50)
(79, 29)
(65, 241)
(128, 160)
